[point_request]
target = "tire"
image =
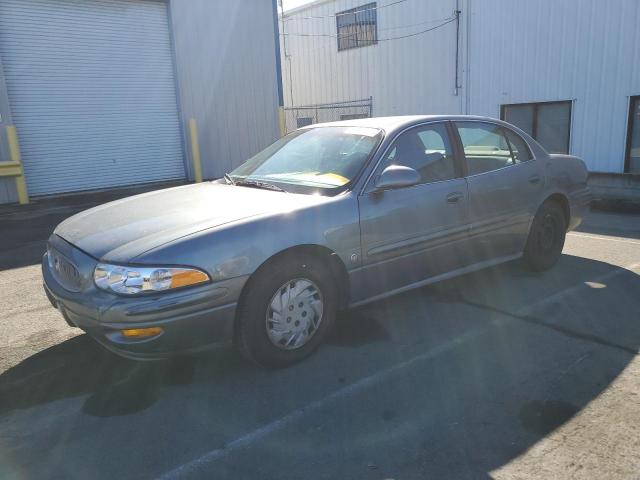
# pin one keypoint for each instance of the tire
(261, 334)
(546, 238)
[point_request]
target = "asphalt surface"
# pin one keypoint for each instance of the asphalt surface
(498, 374)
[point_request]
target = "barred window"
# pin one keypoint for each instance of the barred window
(357, 27)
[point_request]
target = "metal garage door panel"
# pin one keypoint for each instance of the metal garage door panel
(92, 92)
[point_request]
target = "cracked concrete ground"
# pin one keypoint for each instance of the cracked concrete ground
(499, 374)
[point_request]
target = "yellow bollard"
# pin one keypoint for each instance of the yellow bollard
(282, 121)
(14, 153)
(195, 150)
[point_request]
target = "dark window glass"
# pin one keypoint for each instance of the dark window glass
(357, 27)
(632, 165)
(426, 149)
(519, 115)
(485, 147)
(548, 122)
(303, 121)
(353, 116)
(554, 120)
(519, 147)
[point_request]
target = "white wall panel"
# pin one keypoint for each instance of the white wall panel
(512, 51)
(405, 76)
(587, 51)
(226, 64)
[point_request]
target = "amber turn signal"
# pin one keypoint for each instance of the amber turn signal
(141, 332)
(182, 278)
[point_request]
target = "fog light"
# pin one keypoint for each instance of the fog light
(141, 332)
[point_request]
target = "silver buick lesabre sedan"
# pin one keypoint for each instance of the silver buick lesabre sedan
(328, 217)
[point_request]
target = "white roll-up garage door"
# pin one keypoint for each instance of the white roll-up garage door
(92, 92)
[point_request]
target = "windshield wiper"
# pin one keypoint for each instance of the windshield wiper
(228, 178)
(259, 184)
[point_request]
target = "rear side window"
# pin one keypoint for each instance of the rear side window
(519, 147)
(426, 149)
(485, 147)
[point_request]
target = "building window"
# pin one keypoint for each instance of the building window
(548, 122)
(353, 116)
(632, 157)
(357, 27)
(303, 121)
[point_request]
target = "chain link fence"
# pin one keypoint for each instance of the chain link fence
(297, 117)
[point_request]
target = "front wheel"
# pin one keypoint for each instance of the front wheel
(287, 312)
(546, 238)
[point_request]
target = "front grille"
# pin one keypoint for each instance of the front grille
(64, 271)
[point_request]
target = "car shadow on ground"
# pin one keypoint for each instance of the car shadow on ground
(474, 424)
(117, 386)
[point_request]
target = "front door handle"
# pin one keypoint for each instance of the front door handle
(534, 179)
(454, 197)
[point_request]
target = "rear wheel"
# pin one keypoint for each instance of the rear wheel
(546, 237)
(287, 312)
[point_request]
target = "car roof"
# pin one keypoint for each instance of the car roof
(390, 124)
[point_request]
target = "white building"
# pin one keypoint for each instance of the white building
(101, 92)
(566, 71)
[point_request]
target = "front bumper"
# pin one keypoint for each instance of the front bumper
(192, 320)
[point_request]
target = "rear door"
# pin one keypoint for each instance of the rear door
(505, 186)
(412, 233)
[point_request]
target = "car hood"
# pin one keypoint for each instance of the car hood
(121, 230)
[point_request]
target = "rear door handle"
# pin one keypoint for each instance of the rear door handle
(454, 197)
(534, 179)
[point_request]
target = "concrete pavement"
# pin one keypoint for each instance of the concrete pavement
(498, 374)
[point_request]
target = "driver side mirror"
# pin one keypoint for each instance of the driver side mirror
(396, 176)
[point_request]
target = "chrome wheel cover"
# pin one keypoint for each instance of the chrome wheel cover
(294, 314)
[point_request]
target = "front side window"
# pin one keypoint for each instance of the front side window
(632, 162)
(485, 147)
(357, 27)
(311, 160)
(427, 150)
(547, 122)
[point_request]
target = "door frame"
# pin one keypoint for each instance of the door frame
(627, 150)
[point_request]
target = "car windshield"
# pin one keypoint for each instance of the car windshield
(322, 158)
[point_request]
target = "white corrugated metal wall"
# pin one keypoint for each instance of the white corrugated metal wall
(587, 51)
(404, 76)
(92, 92)
(223, 54)
(226, 65)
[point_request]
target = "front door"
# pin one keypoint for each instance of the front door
(410, 234)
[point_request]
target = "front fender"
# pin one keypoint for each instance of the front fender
(238, 249)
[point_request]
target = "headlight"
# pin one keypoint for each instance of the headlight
(132, 280)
